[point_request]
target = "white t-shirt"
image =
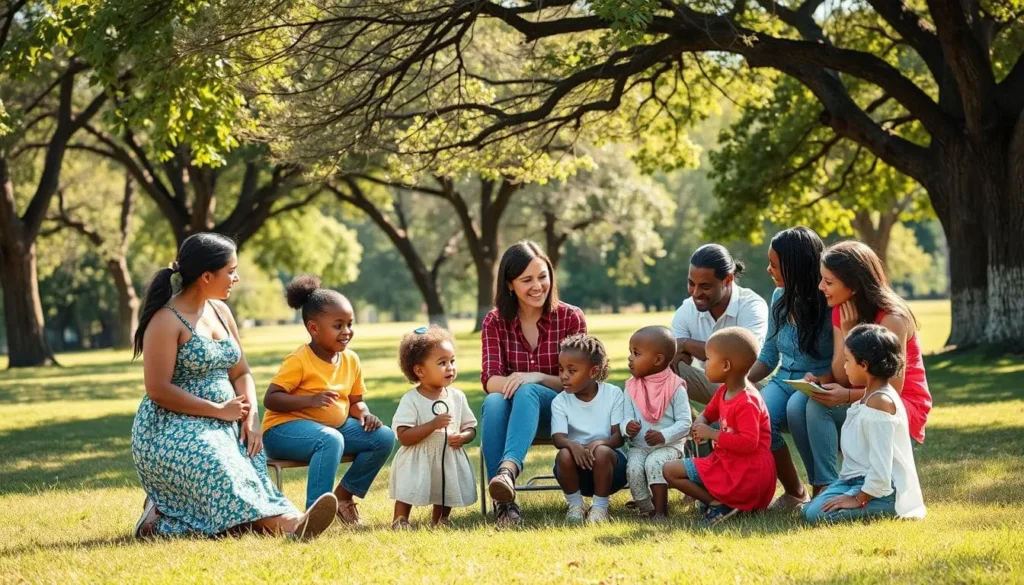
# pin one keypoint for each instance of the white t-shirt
(587, 421)
(746, 309)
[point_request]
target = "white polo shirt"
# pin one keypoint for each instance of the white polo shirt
(746, 309)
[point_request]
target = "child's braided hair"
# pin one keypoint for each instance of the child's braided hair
(589, 346)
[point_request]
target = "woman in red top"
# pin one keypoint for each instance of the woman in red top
(857, 289)
(520, 338)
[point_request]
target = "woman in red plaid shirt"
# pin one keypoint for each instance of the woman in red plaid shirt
(520, 339)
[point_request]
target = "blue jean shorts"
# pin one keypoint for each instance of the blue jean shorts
(691, 472)
(587, 476)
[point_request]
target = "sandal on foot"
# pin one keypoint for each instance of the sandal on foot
(317, 518)
(718, 514)
(348, 513)
(401, 524)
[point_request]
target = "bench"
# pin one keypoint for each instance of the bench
(531, 485)
(277, 466)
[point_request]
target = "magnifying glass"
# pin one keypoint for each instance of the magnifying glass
(438, 408)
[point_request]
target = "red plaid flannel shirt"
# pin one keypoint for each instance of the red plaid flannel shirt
(505, 349)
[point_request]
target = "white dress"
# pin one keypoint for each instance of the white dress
(416, 470)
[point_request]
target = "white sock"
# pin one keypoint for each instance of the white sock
(575, 499)
(601, 502)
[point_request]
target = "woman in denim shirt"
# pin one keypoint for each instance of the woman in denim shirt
(799, 342)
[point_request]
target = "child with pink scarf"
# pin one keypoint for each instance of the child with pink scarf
(656, 418)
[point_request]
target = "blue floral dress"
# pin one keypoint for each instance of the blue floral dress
(195, 468)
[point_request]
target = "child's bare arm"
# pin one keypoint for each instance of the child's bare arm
(409, 436)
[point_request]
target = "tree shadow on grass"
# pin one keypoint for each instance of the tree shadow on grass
(76, 454)
(64, 545)
(972, 463)
(957, 567)
(971, 379)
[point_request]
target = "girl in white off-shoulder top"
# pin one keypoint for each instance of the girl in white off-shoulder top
(878, 477)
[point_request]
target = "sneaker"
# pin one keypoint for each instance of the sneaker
(576, 514)
(718, 514)
(508, 515)
(348, 513)
(502, 487)
(598, 516)
(317, 518)
(702, 508)
(146, 526)
(786, 502)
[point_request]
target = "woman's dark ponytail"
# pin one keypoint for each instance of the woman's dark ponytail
(157, 295)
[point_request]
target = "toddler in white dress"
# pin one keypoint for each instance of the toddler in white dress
(428, 469)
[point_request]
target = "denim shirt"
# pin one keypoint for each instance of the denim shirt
(783, 345)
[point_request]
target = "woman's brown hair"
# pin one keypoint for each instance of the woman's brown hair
(860, 269)
(513, 263)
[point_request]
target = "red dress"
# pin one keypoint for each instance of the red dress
(740, 472)
(917, 399)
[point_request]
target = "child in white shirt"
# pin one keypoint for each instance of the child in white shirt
(585, 419)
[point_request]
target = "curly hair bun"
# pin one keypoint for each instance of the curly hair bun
(300, 289)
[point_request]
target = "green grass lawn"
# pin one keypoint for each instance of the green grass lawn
(69, 495)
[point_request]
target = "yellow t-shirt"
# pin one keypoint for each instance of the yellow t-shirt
(304, 374)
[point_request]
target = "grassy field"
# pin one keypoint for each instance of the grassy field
(69, 495)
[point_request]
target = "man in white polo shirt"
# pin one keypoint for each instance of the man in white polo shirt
(715, 302)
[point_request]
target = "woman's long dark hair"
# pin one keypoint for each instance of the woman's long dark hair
(799, 250)
(199, 254)
(860, 269)
(513, 263)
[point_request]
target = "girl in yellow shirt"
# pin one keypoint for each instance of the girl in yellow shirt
(315, 409)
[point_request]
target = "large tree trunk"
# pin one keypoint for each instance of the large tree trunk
(127, 302)
(23, 313)
(1005, 209)
(486, 274)
(954, 194)
(876, 235)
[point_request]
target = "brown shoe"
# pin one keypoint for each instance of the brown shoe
(348, 513)
(502, 487)
(317, 518)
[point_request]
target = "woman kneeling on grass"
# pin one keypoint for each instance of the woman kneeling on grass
(878, 477)
(196, 441)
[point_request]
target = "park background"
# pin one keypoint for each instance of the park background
(124, 127)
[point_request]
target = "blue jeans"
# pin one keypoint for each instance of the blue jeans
(876, 507)
(509, 426)
(814, 426)
(323, 446)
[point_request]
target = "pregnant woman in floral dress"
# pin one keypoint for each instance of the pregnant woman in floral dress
(196, 441)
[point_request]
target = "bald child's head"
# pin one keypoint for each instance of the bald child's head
(651, 349)
(734, 347)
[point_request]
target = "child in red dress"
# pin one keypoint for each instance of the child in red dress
(740, 474)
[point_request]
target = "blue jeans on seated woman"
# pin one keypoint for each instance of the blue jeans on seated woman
(851, 487)
(814, 426)
(323, 447)
(509, 426)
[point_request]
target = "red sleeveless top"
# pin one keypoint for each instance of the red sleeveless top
(917, 399)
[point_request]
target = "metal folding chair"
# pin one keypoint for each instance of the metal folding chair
(532, 485)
